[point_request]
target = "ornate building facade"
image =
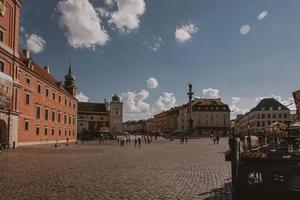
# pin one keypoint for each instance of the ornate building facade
(35, 107)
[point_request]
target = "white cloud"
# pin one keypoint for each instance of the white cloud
(184, 32)
(135, 102)
(235, 100)
(82, 98)
(262, 15)
(165, 102)
(126, 18)
(210, 93)
(103, 12)
(155, 44)
(152, 83)
(83, 25)
(35, 43)
(245, 29)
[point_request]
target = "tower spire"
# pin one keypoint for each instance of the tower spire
(70, 67)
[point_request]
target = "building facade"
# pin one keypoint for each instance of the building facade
(208, 115)
(36, 108)
(101, 117)
(267, 112)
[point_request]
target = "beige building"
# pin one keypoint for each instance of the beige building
(267, 112)
(101, 117)
(208, 115)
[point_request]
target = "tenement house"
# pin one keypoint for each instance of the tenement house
(208, 116)
(267, 112)
(34, 107)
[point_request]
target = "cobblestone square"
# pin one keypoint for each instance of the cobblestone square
(161, 170)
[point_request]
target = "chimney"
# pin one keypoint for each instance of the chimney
(26, 53)
(47, 69)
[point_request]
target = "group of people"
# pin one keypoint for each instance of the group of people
(183, 139)
(137, 140)
(215, 137)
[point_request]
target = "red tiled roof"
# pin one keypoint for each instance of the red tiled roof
(43, 73)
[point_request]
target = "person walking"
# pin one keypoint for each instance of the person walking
(217, 138)
(135, 142)
(139, 142)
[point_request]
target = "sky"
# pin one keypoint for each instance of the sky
(147, 51)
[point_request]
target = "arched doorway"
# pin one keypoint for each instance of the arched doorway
(3, 132)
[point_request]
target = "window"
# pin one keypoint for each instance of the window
(1, 66)
(262, 108)
(73, 121)
(101, 118)
(280, 115)
(27, 98)
(53, 96)
(27, 80)
(39, 88)
(279, 107)
(26, 125)
(258, 124)
(92, 118)
(59, 132)
(65, 132)
(38, 112)
(73, 133)
(47, 92)
(58, 117)
(269, 122)
(262, 116)
(263, 123)
(59, 99)
(269, 116)
(46, 131)
(271, 108)
(65, 102)
(274, 116)
(37, 130)
(69, 133)
(117, 112)
(73, 105)
(69, 120)
(46, 114)
(65, 119)
(52, 131)
(284, 115)
(70, 104)
(53, 116)
(1, 36)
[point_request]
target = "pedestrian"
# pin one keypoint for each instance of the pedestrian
(135, 141)
(122, 142)
(217, 138)
(139, 141)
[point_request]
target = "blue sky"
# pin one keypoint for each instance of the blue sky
(238, 50)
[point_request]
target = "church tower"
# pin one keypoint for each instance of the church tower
(116, 115)
(70, 85)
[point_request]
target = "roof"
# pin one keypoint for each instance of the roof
(43, 73)
(91, 107)
(267, 103)
(210, 105)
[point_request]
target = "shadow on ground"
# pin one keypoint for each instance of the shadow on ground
(224, 193)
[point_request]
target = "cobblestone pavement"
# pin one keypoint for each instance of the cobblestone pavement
(161, 170)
